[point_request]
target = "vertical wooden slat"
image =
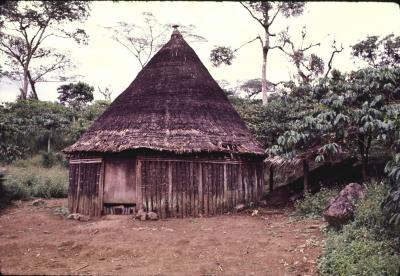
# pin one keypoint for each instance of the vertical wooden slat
(237, 184)
(211, 191)
(191, 193)
(217, 189)
(78, 193)
(150, 181)
(205, 188)
(255, 184)
(222, 187)
(240, 183)
(101, 188)
(196, 188)
(229, 181)
(188, 190)
(231, 186)
(170, 188)
(143, 177)
(200, 190)
(177, 188)
(225, 188)
(175, 191)
(183, 188)
(139, 199)
(91, 184)
(149, 186)
(145, 186)
(159, 186)
(163, 174)
(245, 182)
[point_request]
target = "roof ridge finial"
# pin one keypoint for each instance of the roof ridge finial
(175, 32)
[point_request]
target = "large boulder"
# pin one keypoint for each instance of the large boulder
(341, 209)
(352, 191)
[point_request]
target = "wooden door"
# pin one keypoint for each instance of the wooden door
(119, 180)
(85, 186)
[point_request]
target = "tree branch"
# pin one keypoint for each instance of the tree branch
(248, 42)
(58, 65)
(252, 15)
(273, 18)
(335, 51)
(310, 46)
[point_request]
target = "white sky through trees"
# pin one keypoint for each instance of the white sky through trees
(104, 62)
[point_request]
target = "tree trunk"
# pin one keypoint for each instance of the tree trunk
(306, 176)
(264, 70)
(364, 156)
(48, 142)
(264, 79)
(364, 168)
(24, 88)
(271, 178)
(32, 83)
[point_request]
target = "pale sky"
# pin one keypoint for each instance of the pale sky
(104, 62)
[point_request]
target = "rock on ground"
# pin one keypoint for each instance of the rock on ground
(38, 202)
(341, 209)
(152, 216)
(141, 214)
(240, 207)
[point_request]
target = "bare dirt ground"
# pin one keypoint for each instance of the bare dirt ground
(33, 240)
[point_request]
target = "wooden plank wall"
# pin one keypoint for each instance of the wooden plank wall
(85, 187)
(178, 188)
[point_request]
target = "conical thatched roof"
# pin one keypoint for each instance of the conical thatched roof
(173, 105)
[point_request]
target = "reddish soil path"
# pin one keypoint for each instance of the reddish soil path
(35, 241)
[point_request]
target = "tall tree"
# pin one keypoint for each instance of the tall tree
(308, 66)
(144, 40)
(75, 95)
(265, 14)
(378, 52)
(25, 26)
(106, 92)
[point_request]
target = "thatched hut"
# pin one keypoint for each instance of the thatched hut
(170, 143)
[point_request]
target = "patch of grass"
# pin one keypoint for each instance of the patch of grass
(312, 205)
(44, 159)
(26, 180)
(365, 246)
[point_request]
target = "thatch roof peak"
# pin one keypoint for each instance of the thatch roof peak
(176, 33)
(172, 105)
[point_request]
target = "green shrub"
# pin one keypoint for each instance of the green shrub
(365, 246)
(355, 251)
(32, 181)
(312, 205)
(50, 159)
(17, 185)
(368, 212)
